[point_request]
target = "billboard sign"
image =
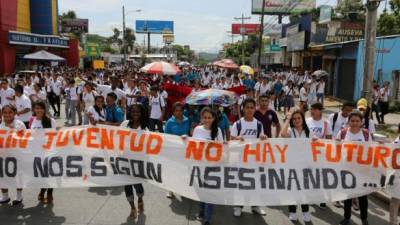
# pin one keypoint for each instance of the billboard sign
(325, 14)
(281, 6)
(154, 26)
(296, 42)
(74, 25)
(341, 31)
(245, 29)
(92, 49)
(272, 29)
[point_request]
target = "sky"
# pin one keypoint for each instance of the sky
(202, 24)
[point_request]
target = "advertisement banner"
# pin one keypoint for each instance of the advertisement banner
(341, 31)
(282, 6)
(92, 49)
(296, 42)
(74, 25)
(325, 14)
(272, 29)
(245, 29)
(154, 26)
(253, 172)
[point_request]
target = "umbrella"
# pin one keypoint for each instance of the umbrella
(43, 55)
(162, 68)
(212, 97)
(226, 63)
(184, 64)
(320, 73)
(247, 70)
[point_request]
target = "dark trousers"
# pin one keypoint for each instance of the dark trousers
(384, 106)
(376, 109)
(304, 208)
(206, 211)
(153, 123)
(55, 102)
(130, 196)
(362, 203)
(49, 191)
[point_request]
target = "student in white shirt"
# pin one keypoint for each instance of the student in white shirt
(295, 126)
(6, 93)
(74, 92)
(303, 97)
(55, 86)
(248, 127)
(23, 105)
(42, 121)
(97, 113)
(9, 113)
(208, 130)
(88, 100)
(338, 120)
(139, 121)
(157, 110)
(368, 123)
(355, 132)
(321, 91)
(318, 125)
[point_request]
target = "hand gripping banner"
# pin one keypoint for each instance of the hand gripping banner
(271, 172)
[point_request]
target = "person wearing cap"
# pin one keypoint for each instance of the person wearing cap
(369, 124)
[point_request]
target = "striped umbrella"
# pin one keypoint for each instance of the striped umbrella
(162, 68)
(212, 97)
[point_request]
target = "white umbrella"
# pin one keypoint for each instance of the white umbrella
(43, 55)
(320, 73)
(162, 68)
(184, 64)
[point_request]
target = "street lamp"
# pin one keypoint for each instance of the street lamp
(124, 28)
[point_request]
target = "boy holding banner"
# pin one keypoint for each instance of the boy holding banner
(248, 127)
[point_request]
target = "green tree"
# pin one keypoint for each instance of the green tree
(183, 54)
(351, 10)
(389, 22)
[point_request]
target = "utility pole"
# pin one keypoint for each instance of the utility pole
(123, 33)
(261, 35)
(369, 46)
(242, 32)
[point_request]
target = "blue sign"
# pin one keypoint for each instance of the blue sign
(154, 26)
(20, 38)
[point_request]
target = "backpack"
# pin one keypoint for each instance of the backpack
(365, 132)
(239, 127)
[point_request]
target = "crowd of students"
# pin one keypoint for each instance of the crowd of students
(134, 100)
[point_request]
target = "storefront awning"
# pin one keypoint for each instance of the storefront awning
(43, 55)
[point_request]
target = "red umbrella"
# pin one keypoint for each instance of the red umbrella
(226, 63)
(162, 68)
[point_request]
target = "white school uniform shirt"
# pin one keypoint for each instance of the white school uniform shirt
(96, 116)
(105, 89)
(385, 95)
(21, 103)
(156, 104)
(28, 90)
(289, 91)
(264, 88)
(354, 137)
(303, 94)
(248, 129)
(126, 123)
(37, 124)
(321, 88)
(4, 94)
(295, 134)
(319, 128)
(39, 96)
(201, 133)
(17, 125)
(56, 86)
(74, 92)
(340, 124)
(131, 91)
(88, 99)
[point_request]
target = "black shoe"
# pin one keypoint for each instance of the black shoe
(322, 205)
(345, 222)
(5, 201)
(364, 222)
(16, 202)
(206, 223)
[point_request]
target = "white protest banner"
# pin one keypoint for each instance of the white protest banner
(272, 172)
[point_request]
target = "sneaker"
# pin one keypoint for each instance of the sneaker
(237, 211)
(170, 194)
(17, 202)
(307, 217)
(345, 222)
(5, 200)
(292, 216)
(364, 222)
(258, 210)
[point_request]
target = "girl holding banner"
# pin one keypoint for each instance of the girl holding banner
(139, 121)
(295, 126)
(355, 132)
(9, 121)
(208, 130)
(42, 121)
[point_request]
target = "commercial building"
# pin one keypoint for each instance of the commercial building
(27, 26)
